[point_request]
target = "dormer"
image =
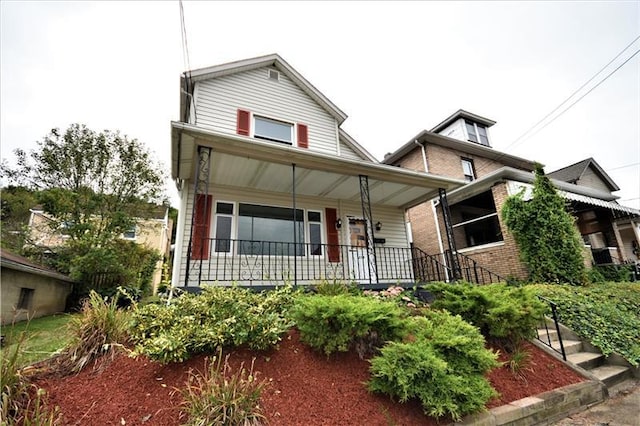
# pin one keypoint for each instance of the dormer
(466, 126)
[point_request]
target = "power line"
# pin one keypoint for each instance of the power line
(571, 96)
(186, 60)
(574, 93)
(623, 167)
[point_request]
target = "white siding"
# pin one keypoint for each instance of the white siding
(393, 227)
(347, 152)
(219, 99)
(455, 130)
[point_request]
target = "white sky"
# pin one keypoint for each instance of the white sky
(395, 68)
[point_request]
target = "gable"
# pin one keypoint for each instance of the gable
(591, 177)
(218, 100)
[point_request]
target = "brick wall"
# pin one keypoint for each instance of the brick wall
(446, 162)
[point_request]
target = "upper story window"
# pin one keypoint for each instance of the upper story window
(259, 127)
(272, 130)
(467, 169)
(477, 133)
(130, 234)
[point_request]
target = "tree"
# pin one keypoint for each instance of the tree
(93, 185)
(549, 243)
(15, 207)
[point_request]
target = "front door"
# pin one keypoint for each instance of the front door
(358, 256)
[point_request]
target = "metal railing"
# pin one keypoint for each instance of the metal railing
(470, 270)
(248, 261)
(548, 341)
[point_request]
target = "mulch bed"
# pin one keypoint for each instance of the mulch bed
(305, 388)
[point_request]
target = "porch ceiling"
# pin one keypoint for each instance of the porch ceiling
(247, 163)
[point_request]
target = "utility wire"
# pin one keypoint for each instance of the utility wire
(574, 93)
(623, 167)
(568, 98)
(186, 61)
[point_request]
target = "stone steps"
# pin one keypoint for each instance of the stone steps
(594, 362)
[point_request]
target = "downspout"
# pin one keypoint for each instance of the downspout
(424, 155)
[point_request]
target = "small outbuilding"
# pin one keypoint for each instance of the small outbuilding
(29, 290)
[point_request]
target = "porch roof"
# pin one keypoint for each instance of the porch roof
(243, 162)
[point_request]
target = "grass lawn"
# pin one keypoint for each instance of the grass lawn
(44, 336)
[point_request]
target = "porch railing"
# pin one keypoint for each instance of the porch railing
(268, 262)
(470, 270)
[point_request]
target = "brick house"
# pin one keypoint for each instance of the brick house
(460, 147)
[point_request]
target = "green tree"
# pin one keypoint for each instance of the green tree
(16, 203)
(93, 186)
(549, 243)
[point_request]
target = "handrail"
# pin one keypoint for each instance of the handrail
(554, 314)
(470, 270)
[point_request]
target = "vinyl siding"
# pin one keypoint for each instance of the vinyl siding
(219, 99)
(393, 227)
(455, 130)
(592, 180)
(347, 152)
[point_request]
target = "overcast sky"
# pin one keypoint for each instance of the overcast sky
(395, 68)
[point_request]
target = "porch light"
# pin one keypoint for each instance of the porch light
(338, 223)
(378, 226)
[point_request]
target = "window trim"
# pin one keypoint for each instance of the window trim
(473, 176)
(292, 128)
(476, 132)
(308, 231)
(214, 212)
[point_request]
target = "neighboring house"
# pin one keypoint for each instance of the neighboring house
(153, 232)
(273, 190)
(29, 290)
(460, 147)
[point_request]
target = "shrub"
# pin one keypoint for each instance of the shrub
(335, 287)
(20, 402)
(442, 364)
(344, 322)
(218, 316)
(99, 330)
(506, 313)
(222, 397)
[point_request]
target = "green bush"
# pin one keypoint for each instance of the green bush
(100, 329)
(344, 322)
(606, 314)
(442, 364)
(217, 317)
(503, 312)
(333, 288)
(221, 397)
(611, 273)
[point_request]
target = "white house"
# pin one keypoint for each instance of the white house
(273, 190)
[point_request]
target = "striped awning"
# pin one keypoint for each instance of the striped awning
(611, 205)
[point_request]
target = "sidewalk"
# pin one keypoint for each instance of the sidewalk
(621, 409)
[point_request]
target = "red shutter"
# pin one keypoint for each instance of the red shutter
(244, 122)
(333, 249)
(201, 224)
(303, 139)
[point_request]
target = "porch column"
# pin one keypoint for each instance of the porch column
(446, 214)
(295, 226)
(365, 200)
(201, 186)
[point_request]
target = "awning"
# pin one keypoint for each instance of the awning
(611, 205)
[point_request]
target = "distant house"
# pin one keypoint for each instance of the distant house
(460, 147)
(29, 290)
(273, 190)
(154, 232)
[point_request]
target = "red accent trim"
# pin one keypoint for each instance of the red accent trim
(201, 227)
(243, 124)
(333, 249)
(303, 136)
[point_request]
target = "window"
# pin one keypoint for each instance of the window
(314, 220)
(26, 297)
(475, 221)
(272, 130)
(266, 230)
(223, 226)
(477, 133)
(467, 169)
(130, 234)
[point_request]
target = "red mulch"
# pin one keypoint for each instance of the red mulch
(306, 388)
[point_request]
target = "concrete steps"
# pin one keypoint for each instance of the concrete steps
(584, 355)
